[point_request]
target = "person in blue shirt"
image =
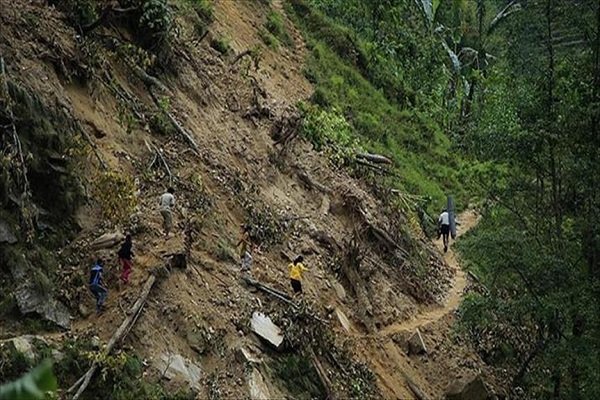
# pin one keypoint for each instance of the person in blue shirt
(97, 284)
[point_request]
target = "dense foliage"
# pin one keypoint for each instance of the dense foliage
(536, 116)
(383, 88)
(496, 100)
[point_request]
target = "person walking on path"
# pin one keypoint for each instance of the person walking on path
(125, 259)
(296, 271)
(444, 227)
(245, 244)
(97, 285)
(166, 203)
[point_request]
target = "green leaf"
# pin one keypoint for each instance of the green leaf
(32, 386)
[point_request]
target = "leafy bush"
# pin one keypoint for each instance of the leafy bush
(80, 12)
(115, 192)
(275, 26)
(300, 377)
(268, 38)
(155, 25)
(224, 252)
(329, 131)
(221, 44)
(12, 363)
(204, 9)
(120, 376)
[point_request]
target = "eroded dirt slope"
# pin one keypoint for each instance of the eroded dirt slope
(229, 106)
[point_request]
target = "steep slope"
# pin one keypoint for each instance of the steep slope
(362, 261)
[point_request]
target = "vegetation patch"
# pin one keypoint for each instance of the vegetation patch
(300, 376)
(115, 193)
(221, 44)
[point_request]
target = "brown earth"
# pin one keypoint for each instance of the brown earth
(203, 313)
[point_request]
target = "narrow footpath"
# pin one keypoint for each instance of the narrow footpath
(392, 367)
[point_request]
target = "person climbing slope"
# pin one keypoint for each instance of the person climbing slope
(166, 203)
(296, 271)
(444, 227)
(97, 285)
(245, 244)
(125, 259)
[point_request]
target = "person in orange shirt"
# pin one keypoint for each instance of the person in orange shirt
(296, 271)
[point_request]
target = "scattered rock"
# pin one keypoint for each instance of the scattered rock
(107, 240)
(474, 389)
(259, 389)
(343, 319)
(266, 329)
(416, 344)
(339, 290)
(95, 342)
(24, 345)
(244, 356)
(84, 310)
(6, 234)
(197, 341)
(176, 367)
(32, 300)
(57, 355)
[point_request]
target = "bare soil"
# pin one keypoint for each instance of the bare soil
(203, 313)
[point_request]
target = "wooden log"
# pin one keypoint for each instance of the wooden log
(279, 295)
(176, 125)
(241, 55)
(149, 80)
(373, 166)
(269, 290)
(116, 338)
(311, 183)
(419, 394)
(375, 158)
(322, 373)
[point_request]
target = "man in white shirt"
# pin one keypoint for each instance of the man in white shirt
(444, 227)
(166, 203)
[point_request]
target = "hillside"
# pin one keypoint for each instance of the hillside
(105, 121)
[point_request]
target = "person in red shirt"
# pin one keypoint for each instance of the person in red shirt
(125, 259)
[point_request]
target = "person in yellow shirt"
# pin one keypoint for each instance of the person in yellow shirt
(296, 270)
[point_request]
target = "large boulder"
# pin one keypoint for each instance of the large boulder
(264, 328)
(24, 345)
(259, 390)
(32, 300)
(177, 368)
(473, 389)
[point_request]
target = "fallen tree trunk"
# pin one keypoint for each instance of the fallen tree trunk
(277, 294)
(269, 290)
(116, 338)
(419, 394)
(325, 381)
(176, 124)
(373, 166)
(374, 158)
(311, 183)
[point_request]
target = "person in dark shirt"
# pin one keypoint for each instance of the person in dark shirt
(125, 259)
(97, 285)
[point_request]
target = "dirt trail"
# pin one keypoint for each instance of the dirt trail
(392, 366)
(468, 220)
